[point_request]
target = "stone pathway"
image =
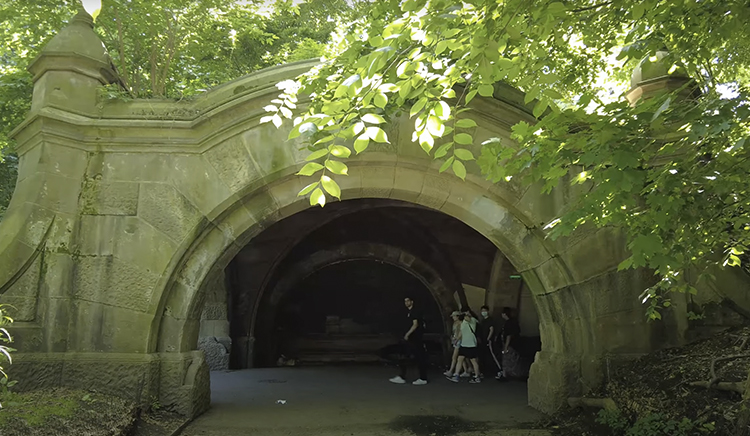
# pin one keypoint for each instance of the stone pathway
(338, 401)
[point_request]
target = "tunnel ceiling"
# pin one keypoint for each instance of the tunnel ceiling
(437, 237)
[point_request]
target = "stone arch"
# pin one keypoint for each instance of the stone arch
(213, 248)
(384, 253)
(432, 279)
(248, 309)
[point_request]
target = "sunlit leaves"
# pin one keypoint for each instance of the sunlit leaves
(5, 338)
(361, 143)
(317, 198)
(331, 186)
(373, 119)
(310, 168)
(317, 154)
(670, 175)
(308, 189)
(466, 123)
(459, 169)
(463, 154)
(463, 138)
(340, 151)
(426, 141)
(336, 167)
(485, 90)
(376, 134)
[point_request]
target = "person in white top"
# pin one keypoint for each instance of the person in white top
(468, 346)
(456, 342)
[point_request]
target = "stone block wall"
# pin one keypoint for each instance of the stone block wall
(213, 337)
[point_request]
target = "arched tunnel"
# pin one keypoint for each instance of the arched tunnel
(327, 285)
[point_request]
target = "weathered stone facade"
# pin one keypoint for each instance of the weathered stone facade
(126, 214)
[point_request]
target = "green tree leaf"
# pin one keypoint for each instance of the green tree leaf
(466, 123)
(486, 90)
(463, 138)
(435, 126)
(317, 198)
(459, 169)
(317, 154)
(331, 186)
(340, 151)
(380, 100)
(310, 168)
(463, 154)
(307, 189)
(376, 134)
(447, 164)
(361, 143)
(373, 119)
(337, 167)
(426, 141)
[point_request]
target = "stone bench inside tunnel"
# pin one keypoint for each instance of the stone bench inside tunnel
(137, 228)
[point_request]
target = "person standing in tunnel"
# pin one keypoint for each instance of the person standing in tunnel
(512, 367)
(414, 344)
(487, 333)
(468, 349)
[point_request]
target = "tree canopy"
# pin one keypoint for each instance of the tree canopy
(671, 170)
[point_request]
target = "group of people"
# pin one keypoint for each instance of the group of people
(481, 345)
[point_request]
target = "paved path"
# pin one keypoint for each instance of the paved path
(337, 401)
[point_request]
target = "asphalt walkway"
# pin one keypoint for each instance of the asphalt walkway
(356, 400)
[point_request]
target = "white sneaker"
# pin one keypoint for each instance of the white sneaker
(465, 375)
(448, 374)
(398, 380)
(419, 382)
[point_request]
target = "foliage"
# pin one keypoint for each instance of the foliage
(671, 171)
(8, 172)
(614, 419)
(652, 424)
(5, 350)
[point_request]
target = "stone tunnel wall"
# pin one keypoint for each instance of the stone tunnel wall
(214, 338)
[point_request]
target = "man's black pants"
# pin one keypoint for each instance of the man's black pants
(489, 362)
(416, 348)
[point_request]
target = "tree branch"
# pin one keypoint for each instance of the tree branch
(121, 49)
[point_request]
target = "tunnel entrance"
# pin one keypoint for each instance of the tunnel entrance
(326, 286)
(349, 311)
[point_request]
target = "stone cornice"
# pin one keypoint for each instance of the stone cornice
(164, 126)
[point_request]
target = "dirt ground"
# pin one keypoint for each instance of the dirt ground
(660, 383)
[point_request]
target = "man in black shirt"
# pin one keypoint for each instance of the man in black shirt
(414, 327)
(487, 333)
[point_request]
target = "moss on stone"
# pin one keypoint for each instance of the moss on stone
(64, 412)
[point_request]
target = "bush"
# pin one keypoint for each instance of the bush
(5, 350)
(653, 424)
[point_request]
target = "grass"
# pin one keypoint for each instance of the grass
(63, 412)
(36, 410)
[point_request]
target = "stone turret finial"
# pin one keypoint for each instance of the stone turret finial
(71, 67)
(657, 74)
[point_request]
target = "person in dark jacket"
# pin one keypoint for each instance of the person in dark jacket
(511, 363)
(487, 334)
(414, 345)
